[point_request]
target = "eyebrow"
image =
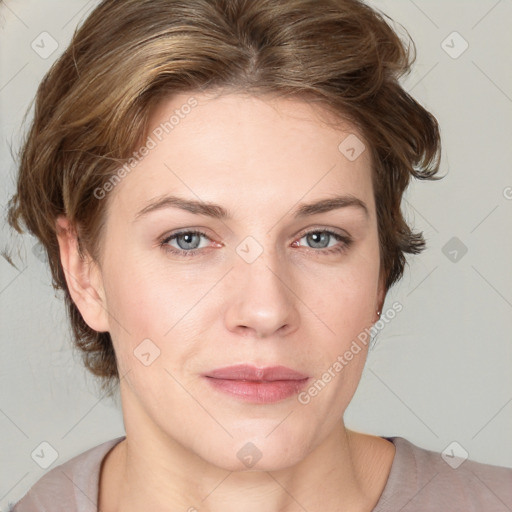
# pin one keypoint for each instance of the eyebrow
(218, 212)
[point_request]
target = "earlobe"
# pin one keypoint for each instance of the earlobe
(381, 297)
(83, 277)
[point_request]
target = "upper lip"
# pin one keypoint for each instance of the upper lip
(248, 372)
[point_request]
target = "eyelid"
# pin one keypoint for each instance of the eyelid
(329, 229)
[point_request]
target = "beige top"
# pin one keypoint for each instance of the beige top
(419, 481)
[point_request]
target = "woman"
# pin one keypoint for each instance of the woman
(217, 185)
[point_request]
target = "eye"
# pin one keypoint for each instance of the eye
(320, 239)
(188, 242)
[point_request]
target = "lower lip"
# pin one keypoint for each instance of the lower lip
(258, 392)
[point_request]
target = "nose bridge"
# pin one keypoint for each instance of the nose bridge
(263, 269)
(269, 252)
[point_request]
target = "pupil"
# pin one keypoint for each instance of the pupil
(317, 238)
(187, 238)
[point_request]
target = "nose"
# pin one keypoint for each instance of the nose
(262, 302)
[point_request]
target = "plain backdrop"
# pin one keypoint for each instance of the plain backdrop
(439, 373)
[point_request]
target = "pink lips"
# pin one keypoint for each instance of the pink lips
(257, 385)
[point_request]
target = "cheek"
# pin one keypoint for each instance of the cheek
(346, 295)
(138, 302)
(140, 309)
(347, 308)
(149, 303)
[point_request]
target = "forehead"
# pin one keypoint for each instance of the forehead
(237, 148)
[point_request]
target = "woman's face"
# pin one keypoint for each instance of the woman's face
(270, 282)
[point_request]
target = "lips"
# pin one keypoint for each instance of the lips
(251, 373)
(257, 385)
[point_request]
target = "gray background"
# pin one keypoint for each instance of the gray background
(440, 371)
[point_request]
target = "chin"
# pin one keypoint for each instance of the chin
(248, 457)
(263, 452)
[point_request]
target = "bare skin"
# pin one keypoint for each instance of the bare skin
(372, 457)
(296, 304)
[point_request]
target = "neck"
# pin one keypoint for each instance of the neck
(151, 471)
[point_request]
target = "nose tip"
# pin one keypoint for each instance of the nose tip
(262, 303)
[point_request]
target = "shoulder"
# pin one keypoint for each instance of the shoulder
(69, 487)
(422, 480)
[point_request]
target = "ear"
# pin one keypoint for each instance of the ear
(83, 277)
(381, 297)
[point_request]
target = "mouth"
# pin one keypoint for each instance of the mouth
(257, 385)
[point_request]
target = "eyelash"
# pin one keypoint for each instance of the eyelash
(347, 242)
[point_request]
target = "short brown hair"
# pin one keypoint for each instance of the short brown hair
(92, 109)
